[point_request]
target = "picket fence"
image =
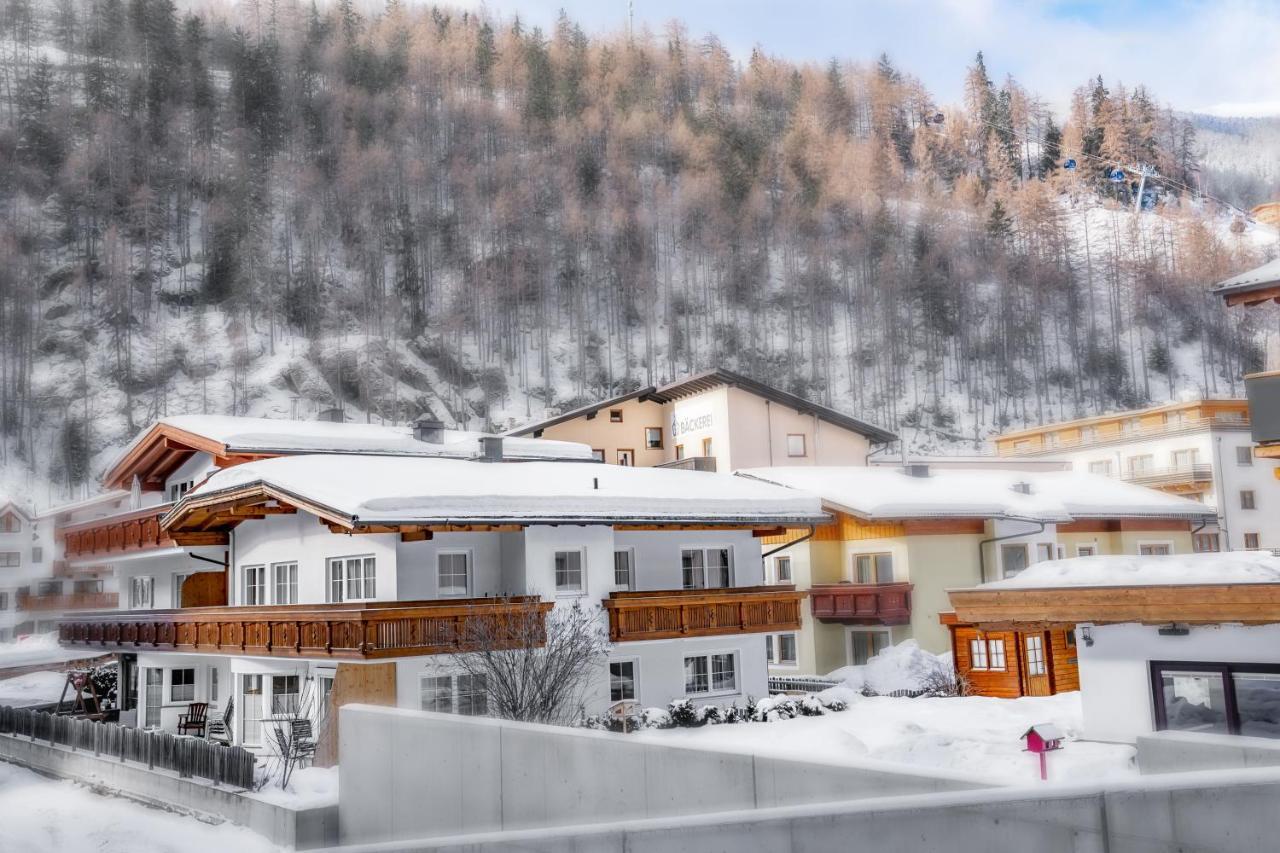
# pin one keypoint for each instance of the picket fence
(187, 756)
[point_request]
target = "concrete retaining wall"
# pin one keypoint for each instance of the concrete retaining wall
(299, 828)
(1181, 752)
(1223, 813)
(412, 774)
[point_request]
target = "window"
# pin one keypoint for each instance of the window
(795, 444)
(1013, 559)
(782, 570)
(1154, 549)
(454, 694)
(251, 710)
(10, 559)
(622, 569)
(1247, 500)
(175, 590)
(706, 568)
(1100, 466)
(995, 654)
(1251, 541)
(154, 698)
(597, 453)
(1035, 656)
(182, 685)
(4, 601)
(1244, 455)
(873, 568)
(978, 654)
(615, 416)
(284, 695)
(1088, 434)
(1143, 464)
(177, 490)
(1130, 426)
(1184, 459)
(1205, 542)
(679, 451)
(44, 588)
(1044, 551)
(1086, 550)
(37, 554)
(86, 586)
(568, 571)
(626, 458)
(141, 592)
(255, 585)
(706, 447)
(781, 649)
(714, 673)
(622, 681)
(10, 523)
(213, 684)
(864, 645)
(285, 581)
(352, 579)
(653, 438)
(453, 574)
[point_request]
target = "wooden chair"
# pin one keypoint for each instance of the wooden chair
(194, 719)
(304, 741)
(220, 727)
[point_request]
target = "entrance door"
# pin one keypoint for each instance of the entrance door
(155, 698)
(1035, 665)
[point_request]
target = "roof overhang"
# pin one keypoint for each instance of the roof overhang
(159, 452)
(1253, 287)
(1064, 606)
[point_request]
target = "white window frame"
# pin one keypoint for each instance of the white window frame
(1244, 459)
(779, 561)
(703, 549)
(1032, 663)
(175, 588)
(291, 583)
(1045, 552)
(775, 649)
(709, 656)
(631, 568)
(635, 678)
(850, 630)
(339, 593)
(1257, 541)
(1253, 499)
(135, 600)
(1026, 552)
(994, 643)
(804, 445)
(873, 557)
(10, 559)
(570, 592)
(456, 694)
(257, 587)
(1087, 550)
(465, 553)
(1143, 543)
(648, 440)
(176, 700)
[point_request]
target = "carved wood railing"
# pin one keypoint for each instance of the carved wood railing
(666, 614)
(131, 531)
(361, 631)
(862, 603)
(69, 601)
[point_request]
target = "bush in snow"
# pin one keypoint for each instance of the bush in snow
(683, 713)
(810, 707)
(902, 669)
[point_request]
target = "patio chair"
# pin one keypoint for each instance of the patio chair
(194, 720)
(220, 727)
(304, 740)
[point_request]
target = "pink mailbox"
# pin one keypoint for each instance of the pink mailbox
(1041, 739)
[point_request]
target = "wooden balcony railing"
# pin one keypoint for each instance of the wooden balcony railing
(69, 601)
(361, 631)
(1178, 475)
(862, 603)
(667, 614)
(132, 531)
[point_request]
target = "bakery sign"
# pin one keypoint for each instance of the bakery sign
(683, 422)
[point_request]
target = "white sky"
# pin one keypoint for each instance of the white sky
(1196, 55)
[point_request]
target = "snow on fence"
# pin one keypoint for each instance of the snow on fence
(187, 756)
(801, 684)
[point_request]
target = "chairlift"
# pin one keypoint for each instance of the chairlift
(938, 118)
(1069, 163)
(1117, 176)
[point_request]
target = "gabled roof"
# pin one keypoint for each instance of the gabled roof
(7, 504)
(159, 451)
(355, 492)
(1055, 496)
(705, 381)
(1256, 285)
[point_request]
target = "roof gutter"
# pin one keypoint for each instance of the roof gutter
(813, 528)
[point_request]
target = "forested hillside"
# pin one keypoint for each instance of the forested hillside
(280, 208)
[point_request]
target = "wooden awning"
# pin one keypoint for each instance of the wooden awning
(1191, 604)
(161, 451)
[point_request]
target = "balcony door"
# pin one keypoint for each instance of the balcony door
(154, 698)
(251, 710)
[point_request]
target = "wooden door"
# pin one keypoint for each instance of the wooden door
(1035, 664)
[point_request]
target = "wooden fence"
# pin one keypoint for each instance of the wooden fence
(187, 756)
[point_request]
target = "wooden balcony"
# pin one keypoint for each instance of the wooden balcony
(862, 603)
(69, 601)
(121, 534)
(362, 631)
(667, 614)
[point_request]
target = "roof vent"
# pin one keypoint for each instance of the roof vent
(334, 415)
(1023, 488)
(491, 448)
(429, 428)
(917, 469)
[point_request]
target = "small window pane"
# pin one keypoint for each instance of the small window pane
(182, 685)
(284, 694)
(622, 569)
(1035, 656)
(1194, 701)
(995, 648)
(723, 674)
(437, 693)
(452, 574)
(568, 571)
(622, 681)
(472, 695)
(1244, 455)
(787, 648)
(718, 568)
(782, 569)
(1013, 558)
(795, 445)
(1258, 703)
(695, 675)
(692, 573)
(977, 654)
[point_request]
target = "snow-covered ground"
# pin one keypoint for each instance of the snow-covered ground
(40, 815)
(34, 688)
(36, 649)
(974, 735)
(309, 787)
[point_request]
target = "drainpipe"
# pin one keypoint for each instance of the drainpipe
(982, 553)
(1219, 488)
(813, 528)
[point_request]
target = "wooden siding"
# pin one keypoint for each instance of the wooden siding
(205, 589)
(353, 683)
(1064, 661)
(862, 603)
(1013, 681)
(1196, 604)
(69, 601)
(362, 631)
(669, 614)
(117, 534)
(1109, 427)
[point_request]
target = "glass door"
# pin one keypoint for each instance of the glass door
(251, 710)
(155, 698)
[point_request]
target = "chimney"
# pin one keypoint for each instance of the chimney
(429, 429)
(1022, 488)
(916, 469)
(491, 448)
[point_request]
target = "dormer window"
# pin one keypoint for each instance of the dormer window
(10, 523)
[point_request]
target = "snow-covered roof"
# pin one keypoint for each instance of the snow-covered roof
(1055, 496)
(1260, 278)
(384, 490)
(1124, 570)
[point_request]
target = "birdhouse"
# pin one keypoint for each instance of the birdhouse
(1043, 738)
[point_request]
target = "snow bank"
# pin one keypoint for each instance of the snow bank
(1133, 570)
(34, 688)
(309, 787)
(904, 666)
(405, 490)
(881, 492)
